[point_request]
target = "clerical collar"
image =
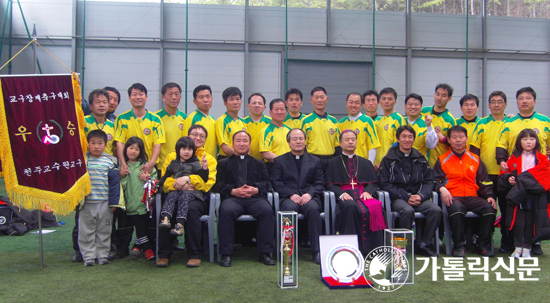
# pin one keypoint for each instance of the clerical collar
(353, 118)
(297, 157)
(469, 121)
(242, 157)
(401, 153)
(349, 156)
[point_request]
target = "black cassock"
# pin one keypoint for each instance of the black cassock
(355, 175)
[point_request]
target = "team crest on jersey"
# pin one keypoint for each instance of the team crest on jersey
(181, 126)
(331, 131)
(147, 131)
(356, 131)
(515, 165)
(386, 127)
(536, 130)
(438, 129)
(471, 167)
(109, 137)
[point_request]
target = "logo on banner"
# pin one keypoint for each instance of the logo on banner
(49, 137)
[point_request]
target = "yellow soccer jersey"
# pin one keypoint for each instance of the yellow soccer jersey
(421, 130)
(513, 126)
(108, 127)
(387, 126)
(273, 139)
(469, 126)
(485, 138)
(226, 127)
(440, 123)
(367, 138)
(254, 129)
(173, 127)
(149, 129)
(197, 117)
(321, 134)
(294, 123)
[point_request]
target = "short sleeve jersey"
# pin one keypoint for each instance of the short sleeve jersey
(173, 126)
(485, 138)
(469, 126)
(387, 126)
(440, 123)
(421, 130)
(294, 122)
(197, 117)
(363, 127)
(321, 134)
(108, 127)
(513, 126)
(254, 128)
(273, 139)
(149, 129)
(226, 127)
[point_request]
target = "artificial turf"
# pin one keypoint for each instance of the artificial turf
(22, 280)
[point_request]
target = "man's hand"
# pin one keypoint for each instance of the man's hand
(180, 182)
(492, 202)
(366, 196)
(446, 196)
(148, 167)
(123, 171)
(245, 191)
(305, 198)
(204, 162)
(376, 167)
(440, 136)
(428, 119)
(345, 197)
(414, 200)
(250, 191)
(296, 199)
(512, 180)
(504, 166)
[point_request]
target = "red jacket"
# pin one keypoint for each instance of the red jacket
(541, 171)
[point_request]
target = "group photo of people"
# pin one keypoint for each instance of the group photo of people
(493, 166)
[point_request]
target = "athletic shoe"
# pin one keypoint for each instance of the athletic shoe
(459, 252)
(77, 257)
(536, 250)
(102, 261)
(135, 252)
(90, 262)
(526, 254)
(516, 253)
(149, 254)
(178, 230)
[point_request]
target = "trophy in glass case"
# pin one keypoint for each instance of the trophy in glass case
(287, 256)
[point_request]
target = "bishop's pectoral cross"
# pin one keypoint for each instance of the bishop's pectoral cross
(353, 183)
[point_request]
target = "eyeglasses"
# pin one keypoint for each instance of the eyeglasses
(499, 102)
(196, 135)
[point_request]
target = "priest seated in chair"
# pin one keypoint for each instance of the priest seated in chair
(354, 182)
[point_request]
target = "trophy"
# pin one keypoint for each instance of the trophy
(401, 268)
(287, 257)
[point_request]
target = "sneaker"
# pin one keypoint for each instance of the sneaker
(536, 250)
(135, 252)
(77, 257)
(165, 223)
(459, 252)
(102, 261)
(149, 254)
(121, 254)
(90, 262)
(526, 253)
(177, 230)
(483, 251)
(517, 253)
